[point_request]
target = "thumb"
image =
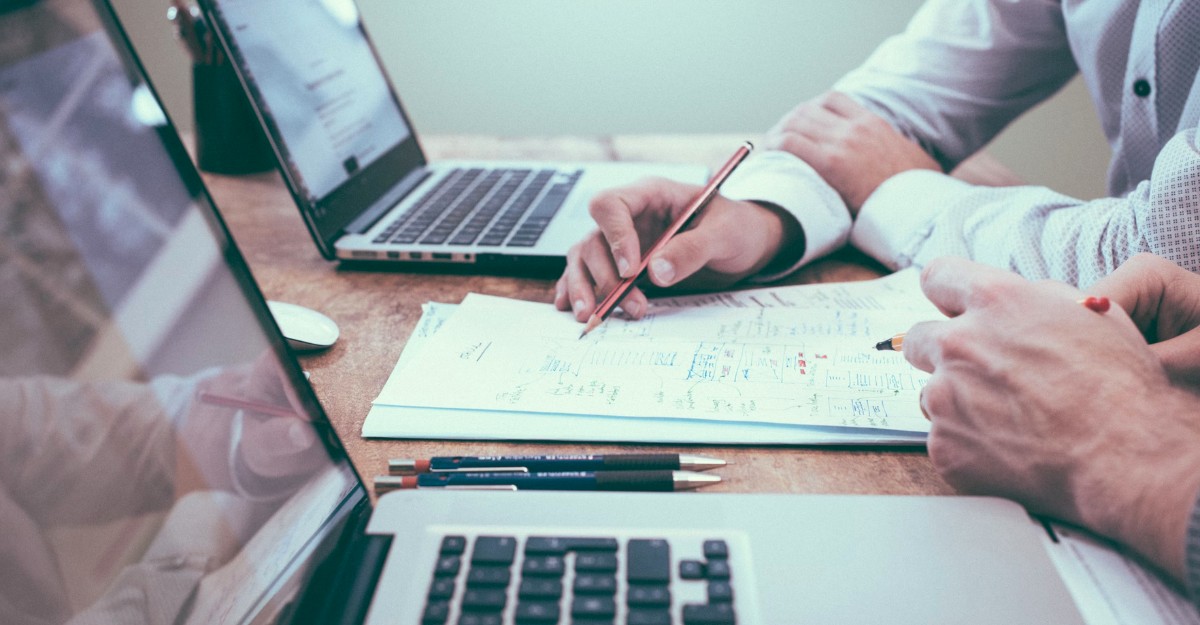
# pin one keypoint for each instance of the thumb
(685, 254)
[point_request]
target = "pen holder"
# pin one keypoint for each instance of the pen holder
(229, 139)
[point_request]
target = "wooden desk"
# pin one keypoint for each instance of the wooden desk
(377, 311)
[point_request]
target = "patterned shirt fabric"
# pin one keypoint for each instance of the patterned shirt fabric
(963, 70)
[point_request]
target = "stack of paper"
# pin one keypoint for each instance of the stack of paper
(766, 366)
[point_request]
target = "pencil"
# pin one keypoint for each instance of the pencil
(273, 410)
(609, 303)
(1096, 304)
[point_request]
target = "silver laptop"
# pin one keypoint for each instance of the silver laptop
(350, 156)
(164, 460)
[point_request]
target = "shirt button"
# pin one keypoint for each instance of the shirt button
(1141, 88)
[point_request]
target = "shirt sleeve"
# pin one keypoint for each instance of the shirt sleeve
(782, 179)
(1191, 562)
(962, 70)
(919, 215)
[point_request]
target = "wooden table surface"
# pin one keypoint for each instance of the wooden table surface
(377, 311)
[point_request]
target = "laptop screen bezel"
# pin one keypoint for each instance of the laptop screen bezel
(363, 189)
(356, 502)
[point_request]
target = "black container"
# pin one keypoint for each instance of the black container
(229, 139)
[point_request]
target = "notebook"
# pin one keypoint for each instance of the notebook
(165, 460)
(351, 158)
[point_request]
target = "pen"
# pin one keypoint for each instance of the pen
(605, 307)
(558, 480)
(527, 464)
(274, 410)
(1097, 304)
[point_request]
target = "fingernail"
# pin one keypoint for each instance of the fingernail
(664, 271)
(633, 308)
(623, 267)
(577, 306)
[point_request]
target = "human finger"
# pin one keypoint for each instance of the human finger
(604, 275)
(921, 345)
(843, 105)
(686, 253)
(813, 121)
(954, 284)
(1178, 358)
(1162, 298)
(579, 287)
(616, 210)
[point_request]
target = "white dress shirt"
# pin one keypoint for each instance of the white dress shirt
(964, 69)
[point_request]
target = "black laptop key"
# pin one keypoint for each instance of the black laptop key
(474, 618)
(536, 612)
(447, 566)
(494, 550)
(488, 576)
(596, 562)
(649, 561)
(718, 569)
(484, 600)
(716, 549)
(540, 588)
(543, 566)
(691, 569)
(592, 607)
(720, 592)
(442, 588)
(588, 584)
(453, 545)
(559, 545)
(648, 596)
(435, 613)
(708, 614)
(648, 617)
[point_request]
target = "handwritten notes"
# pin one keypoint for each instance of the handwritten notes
(801, 355)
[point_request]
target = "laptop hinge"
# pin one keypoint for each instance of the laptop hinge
(369, 217)
(341, 594)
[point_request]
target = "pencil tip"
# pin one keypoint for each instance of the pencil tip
(884, 345)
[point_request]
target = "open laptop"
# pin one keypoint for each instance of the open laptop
(164, 460)
(351, 158)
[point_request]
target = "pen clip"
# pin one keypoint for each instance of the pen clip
(482, 487)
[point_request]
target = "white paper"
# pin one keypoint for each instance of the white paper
(1112, 588)
(781, 358)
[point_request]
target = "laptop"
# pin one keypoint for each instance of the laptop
(163, 459)
(351, 158)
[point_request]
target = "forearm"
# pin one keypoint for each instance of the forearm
(98, 450)
(917, 216)
(962, 70)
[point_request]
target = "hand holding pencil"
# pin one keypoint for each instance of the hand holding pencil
(724, 242)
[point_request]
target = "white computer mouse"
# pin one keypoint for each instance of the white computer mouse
(304, 328)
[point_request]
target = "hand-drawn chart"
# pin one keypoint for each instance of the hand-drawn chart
(790, 364)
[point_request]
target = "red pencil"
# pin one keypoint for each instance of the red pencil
(605, 307)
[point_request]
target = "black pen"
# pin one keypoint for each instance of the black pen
(576, 462)
(559, 480)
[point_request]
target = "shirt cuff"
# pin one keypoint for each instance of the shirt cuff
(1191, 564)
(780, 178)
(898, 217)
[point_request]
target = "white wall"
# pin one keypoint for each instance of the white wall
(545, 67)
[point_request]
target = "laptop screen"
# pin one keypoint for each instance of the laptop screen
(337, 128)
(161, 457)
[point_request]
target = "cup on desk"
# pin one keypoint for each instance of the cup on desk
(229, 139)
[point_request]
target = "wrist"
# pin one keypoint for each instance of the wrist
(1145, 497)
(785, 244)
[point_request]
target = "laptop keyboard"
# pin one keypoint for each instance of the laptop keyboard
(553, 580)
(487, 207)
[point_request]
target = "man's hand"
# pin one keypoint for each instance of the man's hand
(853, 149)
(1068, 411)
(1164, 301)
(727, 241)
